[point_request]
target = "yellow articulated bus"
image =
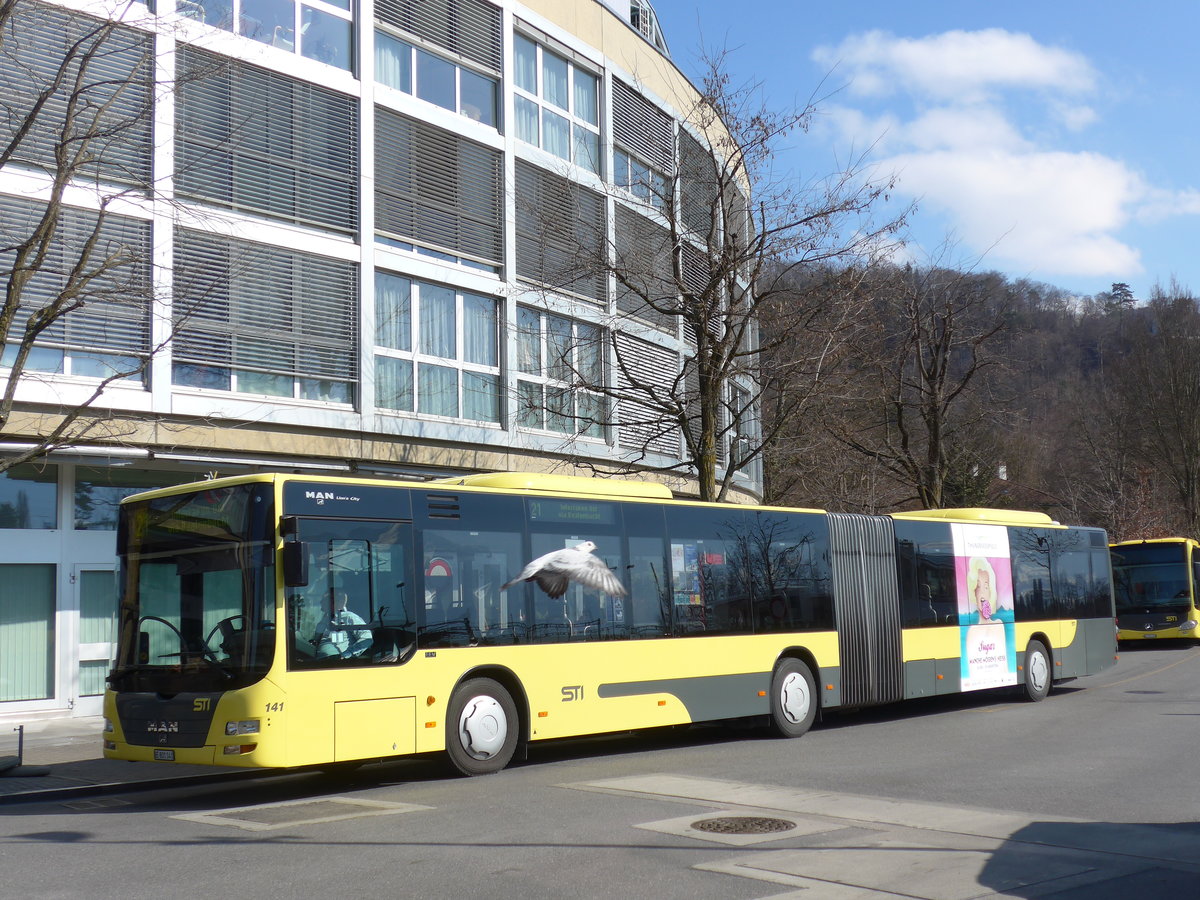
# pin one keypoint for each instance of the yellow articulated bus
(284, 620)
(1155, 586)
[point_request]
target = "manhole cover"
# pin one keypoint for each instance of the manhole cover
(743, 825)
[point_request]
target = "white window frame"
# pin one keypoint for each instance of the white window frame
(545, 381)
(575, 121)
(416, 357)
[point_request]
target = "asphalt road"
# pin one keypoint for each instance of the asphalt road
(948, 797)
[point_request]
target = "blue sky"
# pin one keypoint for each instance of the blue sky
(1052, 140)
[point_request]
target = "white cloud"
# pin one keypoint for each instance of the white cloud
(1048, 212)
(976, 150)
(955, 64)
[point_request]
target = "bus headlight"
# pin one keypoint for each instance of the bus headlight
(248, 726)
(1189, 625)
(108, 725)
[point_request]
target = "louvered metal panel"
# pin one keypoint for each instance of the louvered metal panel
(113, 284)
(560, 233)
(698, 185)
(647, 365)
(643, 128)
(867, 606)
(470, 28)
(261, 142)
(267, 309)
(108, 70)
(434, 187)
(643, 257)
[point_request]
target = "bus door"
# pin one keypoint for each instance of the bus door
(867, 607)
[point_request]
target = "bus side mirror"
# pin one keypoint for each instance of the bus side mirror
(295, 564)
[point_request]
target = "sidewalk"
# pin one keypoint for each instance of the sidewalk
(63, 757)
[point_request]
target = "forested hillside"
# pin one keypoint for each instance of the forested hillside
(941, 388)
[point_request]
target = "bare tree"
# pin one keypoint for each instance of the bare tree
(1160, 382)
(721, 253)
(918, 408)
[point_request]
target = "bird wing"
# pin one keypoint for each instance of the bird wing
(591, 571)
(553, 583)
(529, 571)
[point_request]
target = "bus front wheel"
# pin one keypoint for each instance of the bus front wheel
(793, 699)
(1037, 671)
(481, 727)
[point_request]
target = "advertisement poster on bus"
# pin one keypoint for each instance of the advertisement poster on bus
(985, 606)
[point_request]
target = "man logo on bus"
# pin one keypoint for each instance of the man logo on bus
(554, 571)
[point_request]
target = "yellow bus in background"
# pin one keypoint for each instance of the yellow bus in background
(284, 620)
(1155, 586)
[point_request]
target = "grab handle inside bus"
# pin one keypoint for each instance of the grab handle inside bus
(295, 564)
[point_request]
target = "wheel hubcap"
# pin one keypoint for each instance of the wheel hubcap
(1038, 669)
(483, 727)
(793, 698)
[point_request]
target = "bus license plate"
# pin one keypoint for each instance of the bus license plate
(165, 755)
(1150, 635)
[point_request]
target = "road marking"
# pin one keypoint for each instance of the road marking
(1154, 672)
(289, 813)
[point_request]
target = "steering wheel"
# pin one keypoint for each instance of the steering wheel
(183, 648)
(225, 626)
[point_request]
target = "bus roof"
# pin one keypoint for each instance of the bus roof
(1163, 540)
(980, 514)
(563, 484)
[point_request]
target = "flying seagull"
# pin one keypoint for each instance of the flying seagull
(554, 572)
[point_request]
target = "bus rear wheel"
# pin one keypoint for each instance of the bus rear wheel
(1037, 671)
(793, 699)
(481, 727)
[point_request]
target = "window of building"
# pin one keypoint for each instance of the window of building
(438, 193)
(95, 89)
(741, 432)
(27, 614)
(99, 491)
(322, 31)
(556, 357)
(109, 333)
(644, 369)
(437, 350)
(447, 84)
(560, 231)
(29, 496)
(264, 320)
(557, 104)
(643, 146)
(263, 143)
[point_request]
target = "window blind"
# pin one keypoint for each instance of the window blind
(470, 28)
(437, 188)
(115, 315)
(258, 141)
(265, 309)
(109, 72)
(560, 233)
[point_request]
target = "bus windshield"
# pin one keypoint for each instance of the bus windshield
(1151, 577)
(198, 590)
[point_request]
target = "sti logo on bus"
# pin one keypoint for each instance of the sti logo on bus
(572, 692)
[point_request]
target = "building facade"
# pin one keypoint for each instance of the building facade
(362, 237)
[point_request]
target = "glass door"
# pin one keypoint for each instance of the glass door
(96, 591)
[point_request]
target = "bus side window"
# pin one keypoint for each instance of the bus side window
(789, 572)
(710, 579)
(646, 612)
